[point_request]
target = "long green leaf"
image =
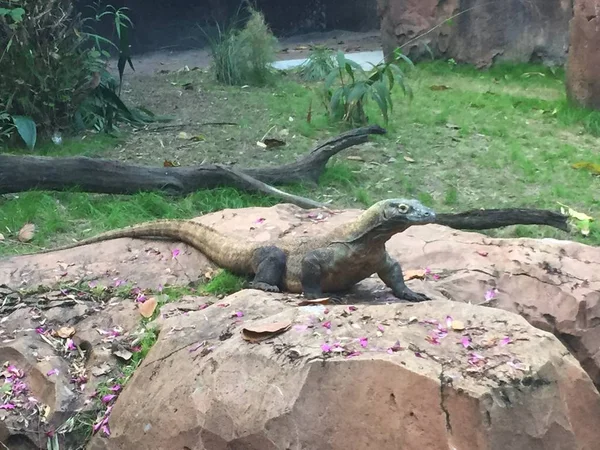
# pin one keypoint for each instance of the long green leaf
(357, 92)
(27, 130)
(381, 103)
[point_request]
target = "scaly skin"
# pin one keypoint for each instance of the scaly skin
(311, 265)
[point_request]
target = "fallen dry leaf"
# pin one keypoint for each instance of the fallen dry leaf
(183, 135)
(261, 332)
(590, 166)
(482, 253)
(355, 158)
(439, 87)
(147, 308)
(26, 233)
(65, 332)
(409, 159)
(316, 301)
(168, 163)
(412, 274)
(273, 143)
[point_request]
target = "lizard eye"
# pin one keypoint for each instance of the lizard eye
(403, 208)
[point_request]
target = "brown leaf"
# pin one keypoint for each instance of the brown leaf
(355, 158)
(147, 308)
(261, 332)
(168, 163)
(65, 332)
(482, 253)
(273, 143)
(316, 301)
(439, 87)
(412, 274)
(26, 233)
(409, 159)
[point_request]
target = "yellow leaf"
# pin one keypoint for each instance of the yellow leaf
(183, 135)
(411, 274)
(592, 167)
(409, 159)
(457, 325)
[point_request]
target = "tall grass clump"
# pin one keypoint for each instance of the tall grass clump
(243, 54)
(320, 63)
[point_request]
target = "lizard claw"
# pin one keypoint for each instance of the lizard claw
(263, 286)
(412, 296)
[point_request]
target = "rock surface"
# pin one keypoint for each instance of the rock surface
(553, 284)
(513, 30)
(51, 380)
(384, 377)
(583, 67)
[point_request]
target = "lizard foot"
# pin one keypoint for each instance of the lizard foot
(411, 296)
(263, 286)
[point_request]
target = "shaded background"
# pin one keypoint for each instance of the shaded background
(175, 25)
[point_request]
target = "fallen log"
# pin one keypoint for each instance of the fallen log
(22, 173)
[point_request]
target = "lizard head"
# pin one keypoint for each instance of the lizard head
(399, 211)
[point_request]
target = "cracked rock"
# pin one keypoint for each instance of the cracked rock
(403, 380)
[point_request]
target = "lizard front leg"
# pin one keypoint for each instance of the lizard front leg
(268, 264)
(391, 274)
(312, 271)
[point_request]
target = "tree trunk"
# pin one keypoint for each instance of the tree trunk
(583, 65)
(22, 173)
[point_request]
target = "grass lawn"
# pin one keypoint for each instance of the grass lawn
(468, 139)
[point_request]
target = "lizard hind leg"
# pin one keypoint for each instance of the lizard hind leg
(268, 265)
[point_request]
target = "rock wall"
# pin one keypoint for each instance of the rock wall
(483, 32)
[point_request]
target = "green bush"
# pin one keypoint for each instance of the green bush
(349, 87)
(53, 72)
(243, 55)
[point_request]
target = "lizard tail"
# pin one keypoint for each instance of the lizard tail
(228, 253)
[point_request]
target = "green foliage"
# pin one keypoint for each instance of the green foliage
(243, 55)
(54, 73)
(320, 63)
(349, 87)
(224, 283)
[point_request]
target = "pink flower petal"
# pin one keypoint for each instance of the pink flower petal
(175, 253)
(436, 276)
(52, 372)
(427, 270)
(260, 220)
(327, 325)
(364, 342)
(40, 330)
(7, 406)
(300, 328)
(326, 348)
(108, 398)
(106, 429)
(239, 314)
(448, 322)
(491, 294)
(71, 344)
(465, 341)
(115, 388)
(505, 340)
(353, 354)
(352, 308)
(380, 328)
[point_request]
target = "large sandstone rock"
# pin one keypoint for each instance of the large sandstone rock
(583, 67)
(554, 284)
(513, 30)
(399, 378)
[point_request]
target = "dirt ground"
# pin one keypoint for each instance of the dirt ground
(177, 84)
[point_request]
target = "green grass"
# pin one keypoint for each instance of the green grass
(505, 137)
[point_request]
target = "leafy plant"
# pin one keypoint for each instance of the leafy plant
(52, 70)
(243, 55)
(349, 87)
(320, 63)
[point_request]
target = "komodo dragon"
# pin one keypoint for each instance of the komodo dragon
(312, 265)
